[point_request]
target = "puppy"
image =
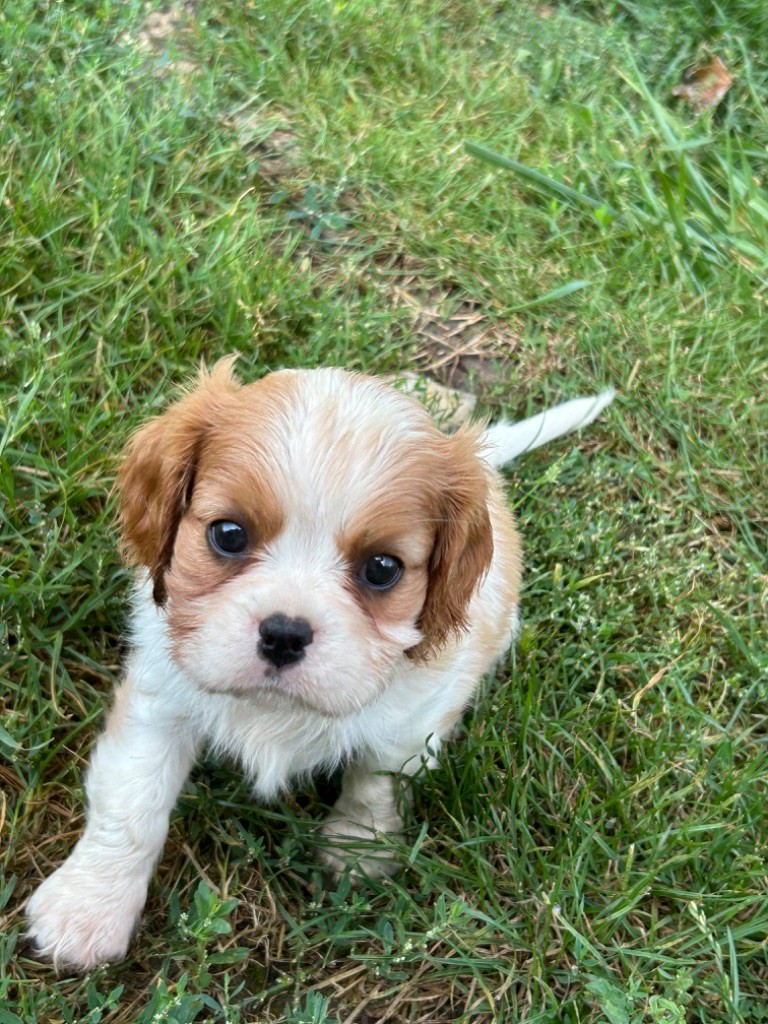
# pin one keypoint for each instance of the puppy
(324, 578)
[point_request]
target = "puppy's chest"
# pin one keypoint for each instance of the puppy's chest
(277, 745)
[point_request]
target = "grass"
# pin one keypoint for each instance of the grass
(300, 182)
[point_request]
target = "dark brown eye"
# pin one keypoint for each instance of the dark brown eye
(227, 538)
(381, 572)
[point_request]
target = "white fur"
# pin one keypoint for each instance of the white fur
(357, 700)
(505, 441)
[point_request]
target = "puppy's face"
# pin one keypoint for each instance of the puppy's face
(304, 533)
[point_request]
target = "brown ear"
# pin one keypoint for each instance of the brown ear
(157, 474)
(463, 546)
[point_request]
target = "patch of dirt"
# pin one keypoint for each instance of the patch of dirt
(162, 38)
(460, 345)
(277, 148)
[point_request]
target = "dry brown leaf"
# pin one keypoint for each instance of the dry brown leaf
(705, 86)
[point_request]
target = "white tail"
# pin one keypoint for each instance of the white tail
(503, 442)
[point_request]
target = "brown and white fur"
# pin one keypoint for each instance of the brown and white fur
(323, 470)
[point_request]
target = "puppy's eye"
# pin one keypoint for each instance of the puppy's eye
(227, 538)
(381, 572)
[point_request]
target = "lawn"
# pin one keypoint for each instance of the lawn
(505, 196)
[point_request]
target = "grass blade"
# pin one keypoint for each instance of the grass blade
(540, 182)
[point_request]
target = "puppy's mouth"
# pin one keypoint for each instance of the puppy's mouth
(278, 688)
(278, 678)
(273, 680)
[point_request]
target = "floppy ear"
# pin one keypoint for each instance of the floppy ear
(157, 474)
(463, 546)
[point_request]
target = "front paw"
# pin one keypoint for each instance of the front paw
(79, 918)
(357, 848)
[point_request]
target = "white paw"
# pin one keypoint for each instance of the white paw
(356, 848)
(78, 918)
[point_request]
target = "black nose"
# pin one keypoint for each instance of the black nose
(283, 640)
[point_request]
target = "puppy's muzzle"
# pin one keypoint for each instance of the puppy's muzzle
(283, 641)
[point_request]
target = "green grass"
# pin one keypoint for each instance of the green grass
(595, 843)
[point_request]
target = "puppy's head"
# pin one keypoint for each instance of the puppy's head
(305, 532)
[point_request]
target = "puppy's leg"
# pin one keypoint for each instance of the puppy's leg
(370, 807)
(85, 911)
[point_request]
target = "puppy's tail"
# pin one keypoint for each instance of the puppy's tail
(502, 442)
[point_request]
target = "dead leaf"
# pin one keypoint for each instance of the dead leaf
(705, 86)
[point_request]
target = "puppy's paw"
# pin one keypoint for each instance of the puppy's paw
(356, 848)
(78, 919)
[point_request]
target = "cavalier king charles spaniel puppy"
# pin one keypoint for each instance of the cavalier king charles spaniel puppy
(324, 577)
